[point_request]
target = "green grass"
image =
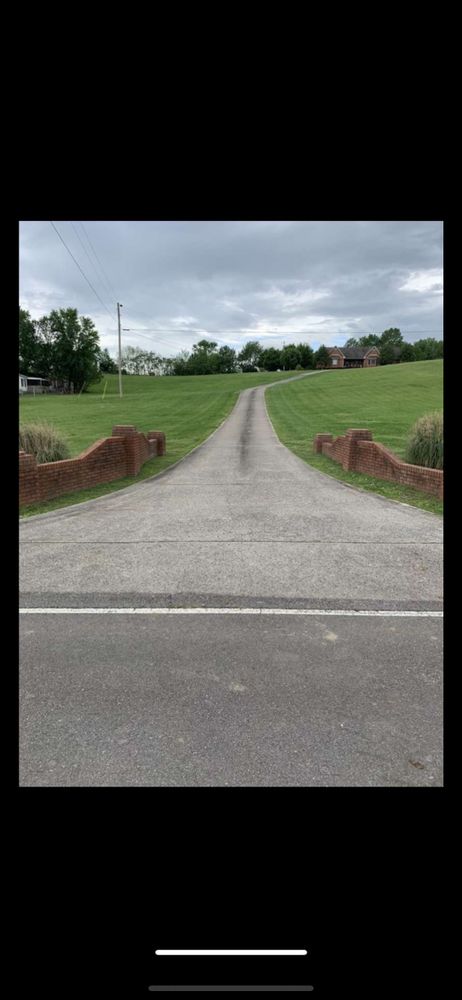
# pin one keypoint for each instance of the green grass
(187, 409)
(386, 400)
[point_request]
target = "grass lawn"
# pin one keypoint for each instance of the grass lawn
(186, 408)
(386, 400)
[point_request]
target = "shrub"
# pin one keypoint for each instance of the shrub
(425, 444)
(44, 442)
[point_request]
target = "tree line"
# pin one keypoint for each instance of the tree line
(206, 358)
(64, 347)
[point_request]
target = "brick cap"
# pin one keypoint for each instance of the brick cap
(121, 429)
(359, 432)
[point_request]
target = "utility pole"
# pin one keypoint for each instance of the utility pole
(119, 307)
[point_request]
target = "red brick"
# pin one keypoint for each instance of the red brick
(357, 452)
(108, 459)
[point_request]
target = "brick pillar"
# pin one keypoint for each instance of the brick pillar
(29, 491)
(352, 436)
(130, 435)
(161, 442)
(318, 441)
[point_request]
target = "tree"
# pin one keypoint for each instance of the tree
(226, 360)
(370, 340)
(139, 362)
(250, 356)
(154, 363)
(322, 358)
(290, 357)
(393, 336)
(177, 365)
(107, 365)
(390, 346)
(306, 354)
(73, 344)
(271, 359)
(352, 342)
(45, 363)
(203, 360)
(132, 360)
(428, 349)
(28, 344)
(408, 353)
(389, 353)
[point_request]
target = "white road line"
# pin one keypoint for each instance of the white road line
(232, 611)
(221, 952)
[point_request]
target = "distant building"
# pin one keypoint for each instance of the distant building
(35, 384)
(22, 384)
(354, 357)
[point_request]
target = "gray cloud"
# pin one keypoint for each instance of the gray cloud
(320, 282)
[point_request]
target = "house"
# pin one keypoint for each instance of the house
(354, 357)
(22, 384)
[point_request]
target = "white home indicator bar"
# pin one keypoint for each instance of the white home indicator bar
(235, 952)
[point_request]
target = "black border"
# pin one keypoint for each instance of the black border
(102, 872)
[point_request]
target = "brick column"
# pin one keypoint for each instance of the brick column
(129, 433)
(161, 442)
(29, 491)
(318, 441)
(352, 436)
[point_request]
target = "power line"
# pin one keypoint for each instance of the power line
(187, 329)
(89, 258)
(110, 286)
(174, 343)
(81, 271)
(194, 333)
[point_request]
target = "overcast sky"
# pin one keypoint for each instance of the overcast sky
(276, 282)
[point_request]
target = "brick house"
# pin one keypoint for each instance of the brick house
(354, 357)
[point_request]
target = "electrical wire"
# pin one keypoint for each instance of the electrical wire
(82, 271)
(91, 262)
(110, 286)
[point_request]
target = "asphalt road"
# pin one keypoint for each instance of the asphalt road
(181, 698)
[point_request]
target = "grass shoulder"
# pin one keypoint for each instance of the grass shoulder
(387, 401)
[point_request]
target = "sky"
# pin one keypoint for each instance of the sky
(230, 281)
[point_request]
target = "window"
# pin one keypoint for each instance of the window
(335, 361)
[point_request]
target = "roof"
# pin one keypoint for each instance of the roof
(354, 353)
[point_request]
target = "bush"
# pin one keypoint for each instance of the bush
(425, 444)
(44, 442)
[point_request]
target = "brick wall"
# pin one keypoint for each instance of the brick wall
(357, 452)
(111, 458)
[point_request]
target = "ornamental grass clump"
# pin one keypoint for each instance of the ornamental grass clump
(44, 442)
(425, 443)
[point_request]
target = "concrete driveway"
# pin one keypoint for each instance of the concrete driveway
(205, 628)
